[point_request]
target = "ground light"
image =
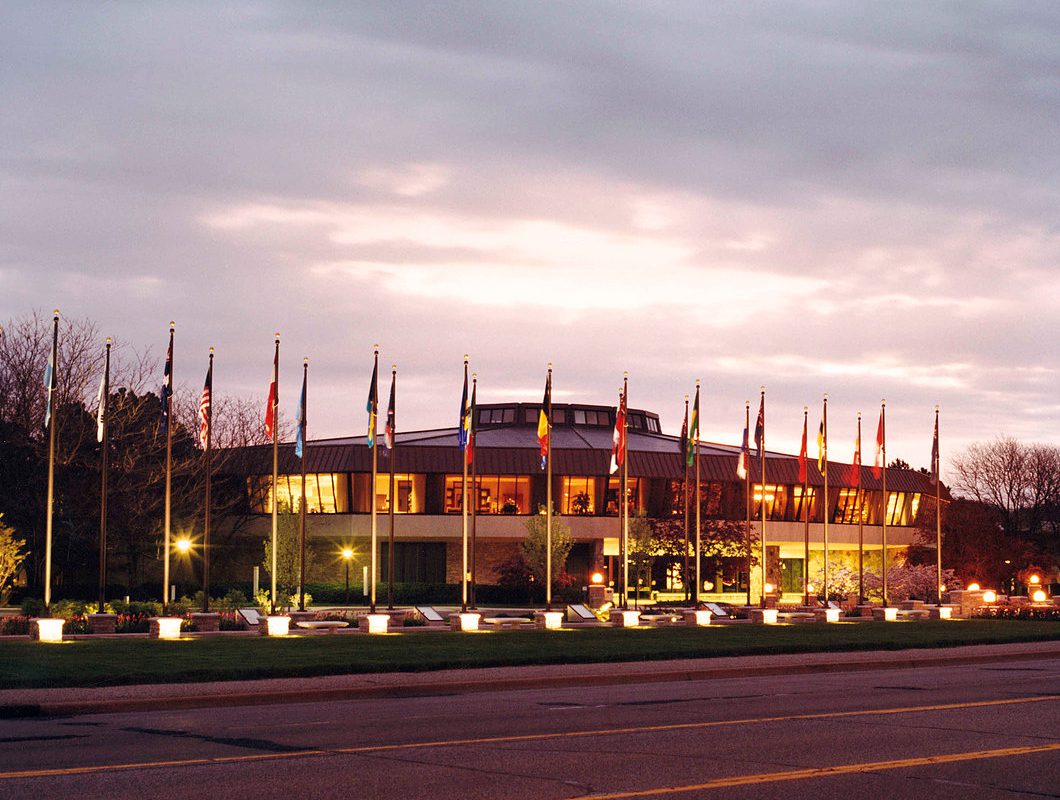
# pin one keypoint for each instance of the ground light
(183, 545)
(278, 626)
(989, 596)
(973, 587)
(168, 627)
(50, 629)
(377, 623)
(1038, 596)
(552, 620)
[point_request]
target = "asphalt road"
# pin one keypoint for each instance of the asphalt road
(976, 731)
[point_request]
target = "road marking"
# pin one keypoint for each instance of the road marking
(529, 737)
(827, 772)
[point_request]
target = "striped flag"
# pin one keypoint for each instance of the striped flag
(822, 448)
(693, 432)
(391, 415)
(101, 408)
(855, 467)
(205, 403)
(935, 452)
(760, 427)
(618, 439)
(166, 392)
(471, 423)
(273, 401)
(877, 464)
(543, 433)
(745, 457)
(372, 406)
(802, 453)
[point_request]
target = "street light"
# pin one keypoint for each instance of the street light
(183, 545)
(347, 556)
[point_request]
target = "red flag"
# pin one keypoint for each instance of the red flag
(204, 408)
(802, 454)
(855, 468)
(618, 440)
(270, 409)
(877, 466)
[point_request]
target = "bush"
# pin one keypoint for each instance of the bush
(33, 607)
(14, 626)
(1018, 613)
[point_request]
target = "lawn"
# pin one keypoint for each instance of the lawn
(106, 662)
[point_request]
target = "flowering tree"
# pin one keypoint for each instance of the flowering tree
(11, 556)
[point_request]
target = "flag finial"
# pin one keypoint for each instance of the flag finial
(697, 383)
(172, 324)
(883, 402)
(936, 408)
(474, 376)
(625, 373)
(686, 398)
(826, 396)
(805, 409)
(57, 314)
(376, 348)
(550, 365)
(305, 360)
(211, 351)
(277, 336)
(393, 367)
(859, 415)
(111, 341)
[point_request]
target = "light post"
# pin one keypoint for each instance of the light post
(183, 547)
(347, 556)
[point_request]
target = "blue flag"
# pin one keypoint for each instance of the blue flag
(299, 440)
(49, 386)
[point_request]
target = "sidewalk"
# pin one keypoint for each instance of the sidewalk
(114, 699)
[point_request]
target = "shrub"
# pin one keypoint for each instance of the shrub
(14, 626)
(1018, 613)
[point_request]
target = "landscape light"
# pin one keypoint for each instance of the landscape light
(347, 553)
(1036, 579)
(769, 588)
(973, 587)
(50, 629)
(183, 545)
(597, 578)
(169, 627)
(1038, 596)
(989, 596)
(278, 626)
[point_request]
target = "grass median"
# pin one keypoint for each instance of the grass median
(111, 662)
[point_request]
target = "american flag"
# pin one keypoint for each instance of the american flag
(204, 409)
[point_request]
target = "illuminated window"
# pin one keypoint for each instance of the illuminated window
(408, 488)
(850, 503)
(633, 496)
(769, 496)
(325, 493)
(801, 503)
(497, 494)
(578, 495)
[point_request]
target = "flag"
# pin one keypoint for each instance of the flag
(101, 402)
(760, 427)
(464, 417)
(693, 432)
(204, 408)
(273, 401)
(372, 406)
(391, 415)
(822, 448)
(618, 439)
(471, 425)
(745, 457)
(302, 417)
(49, 386)
(802, 454)
(684, 433)
(167, 385)
(855, 467)
(543, 434)
(878, 465)
(935, 453)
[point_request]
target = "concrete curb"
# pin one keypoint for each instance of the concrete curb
(72, 702)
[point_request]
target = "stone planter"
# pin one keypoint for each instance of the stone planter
(206, 622)
(103, 623)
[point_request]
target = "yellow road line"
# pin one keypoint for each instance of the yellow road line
(530, 737)
(828, 772)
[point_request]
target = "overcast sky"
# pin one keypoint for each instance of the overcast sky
(852, 198)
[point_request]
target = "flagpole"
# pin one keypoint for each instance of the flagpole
(684, 488)
(883, 442)
(762, 475)
(624, 509)
(53, 385)
(209, 481)
(806, 509)
(827, 507)
(302, 507)
(169, 471)
(463, 496)
(861, 525)
(393, 498)
(104, 410)
(747, 495)
(699, 513)
(548, 501)
(275, 469)
(938, 511)
(375, 473)
(474, 488)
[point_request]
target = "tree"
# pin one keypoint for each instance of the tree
(534, 549)
(11, 557)
(288, 564)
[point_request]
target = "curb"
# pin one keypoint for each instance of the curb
(542, 679)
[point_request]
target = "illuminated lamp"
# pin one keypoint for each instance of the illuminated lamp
(989, 596)
(183, 545)
(551, 620)
(770, 588)
(624, 618)
(1038, 596)
(49, 629)
(1036, 579)
(468, 621)
(890, 614)
(809, 588)
(973, 587)
(278, 626)
(169, 627)
(831, 614)
(377, 623)
(699, 617)
(597, 578)
(769, 616)
(708, 586)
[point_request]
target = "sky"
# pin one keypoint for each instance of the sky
(858, 199)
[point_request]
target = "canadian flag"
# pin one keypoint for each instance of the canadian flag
(270, 408)
(618, 440)
(877, 466)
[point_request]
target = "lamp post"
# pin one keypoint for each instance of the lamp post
(347, 555)
(183, 547)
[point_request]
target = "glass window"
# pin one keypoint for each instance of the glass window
(769, 496)
(559, 416)
(633, 498)
(531, 416)
(653, 425)
(578, 495)
(497, 494)
(579, 416)
(325, 493)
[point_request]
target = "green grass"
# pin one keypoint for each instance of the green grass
(108, 662)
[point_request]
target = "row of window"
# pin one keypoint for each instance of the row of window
(561, 416)
(336, 493)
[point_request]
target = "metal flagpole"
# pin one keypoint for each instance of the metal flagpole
(474, 485)
(747, 494)
(624, 508)
(275, 469)
(548, 500)
(762, 475)
(53, 396)
(392, 422)
(303, 423)
(104, 411)
(699, 511)
(861, 525)
(938, 509)
(209, 481)
(169, 471)
(684, 488)
(827, 507)
(806, 510)
(883, 444)
(375, 473)
(463, 496)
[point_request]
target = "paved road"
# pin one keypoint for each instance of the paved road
(976, 731)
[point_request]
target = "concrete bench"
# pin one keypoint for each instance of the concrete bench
(507, 622)
(660, 619)
(913, 613)
(328, 625)
(796, 616)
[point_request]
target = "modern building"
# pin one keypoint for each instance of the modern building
(510, 485)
